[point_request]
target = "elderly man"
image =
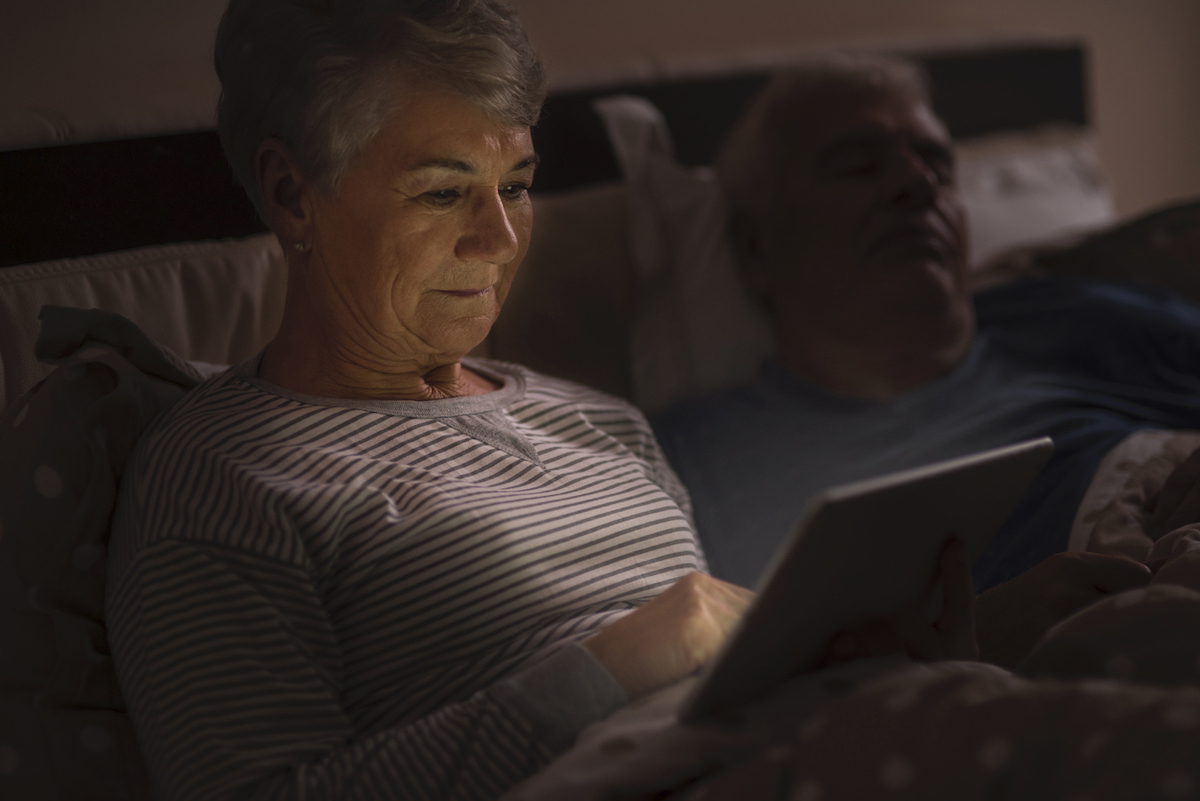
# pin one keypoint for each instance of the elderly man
(851, 233)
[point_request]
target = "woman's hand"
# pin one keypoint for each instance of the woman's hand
(1012, 617)
(950, 636)
(1178, 504)
(672, 636)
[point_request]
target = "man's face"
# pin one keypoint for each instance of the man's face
(867, 223)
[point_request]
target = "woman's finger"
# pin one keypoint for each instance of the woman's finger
(957, 621)
(736, 596)
(1108, 574)
(845, 647)
(917, 636)
(725, 602)
(1179, 501)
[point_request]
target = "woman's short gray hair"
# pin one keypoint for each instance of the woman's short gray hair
(319, 74)
(749, 162)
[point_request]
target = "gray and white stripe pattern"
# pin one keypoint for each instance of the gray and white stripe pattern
(326, 599)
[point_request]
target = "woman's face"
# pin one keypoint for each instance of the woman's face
(418, 246)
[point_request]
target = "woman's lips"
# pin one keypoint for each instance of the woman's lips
(466, 293)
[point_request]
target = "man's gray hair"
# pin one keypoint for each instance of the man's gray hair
(749, 164)
(320, 74)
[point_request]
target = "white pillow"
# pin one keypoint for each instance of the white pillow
(207, 301)
(695, 328)
(1024, 188)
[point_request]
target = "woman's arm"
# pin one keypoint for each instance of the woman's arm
(673, 636)
(234, 679)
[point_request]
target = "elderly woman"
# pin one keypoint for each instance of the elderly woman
(361, 564)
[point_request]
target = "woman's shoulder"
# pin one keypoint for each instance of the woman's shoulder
(578, 415)
(221, 400)
(174, 473)
(228, 429)
(545, 388)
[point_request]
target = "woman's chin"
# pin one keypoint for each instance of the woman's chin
(463, 336)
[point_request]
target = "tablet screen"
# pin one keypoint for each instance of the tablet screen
(860, 551)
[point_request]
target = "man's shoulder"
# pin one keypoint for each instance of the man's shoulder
(735, 411)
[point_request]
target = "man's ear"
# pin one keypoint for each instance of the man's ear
(285, 193)
(747, 246)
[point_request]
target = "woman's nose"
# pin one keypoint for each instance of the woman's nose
(489, 235)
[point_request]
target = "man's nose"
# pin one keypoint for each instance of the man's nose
(914, 182)
(489, 235)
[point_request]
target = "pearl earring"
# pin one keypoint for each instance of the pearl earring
(300, 246)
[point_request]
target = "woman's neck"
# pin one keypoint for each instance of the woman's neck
(352, 382)
(321, 358)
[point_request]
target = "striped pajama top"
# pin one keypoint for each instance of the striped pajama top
(318, 599)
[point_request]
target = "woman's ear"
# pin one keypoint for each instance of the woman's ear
(285, 193)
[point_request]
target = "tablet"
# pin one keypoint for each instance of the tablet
(860, 551)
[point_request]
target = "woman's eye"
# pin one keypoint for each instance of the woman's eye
(514, 191)
(443, 197)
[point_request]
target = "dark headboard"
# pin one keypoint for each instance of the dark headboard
(76, 200)
(974, 91)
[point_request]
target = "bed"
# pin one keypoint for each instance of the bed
(153, 232)
(1027, 167)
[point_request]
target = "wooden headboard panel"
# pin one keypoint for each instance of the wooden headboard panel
(82, 199)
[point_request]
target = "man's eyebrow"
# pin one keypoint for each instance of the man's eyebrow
(458, 165)
(850, 142)
(869, 136)
(875, 138)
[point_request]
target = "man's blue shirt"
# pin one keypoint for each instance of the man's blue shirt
(1085, 363)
